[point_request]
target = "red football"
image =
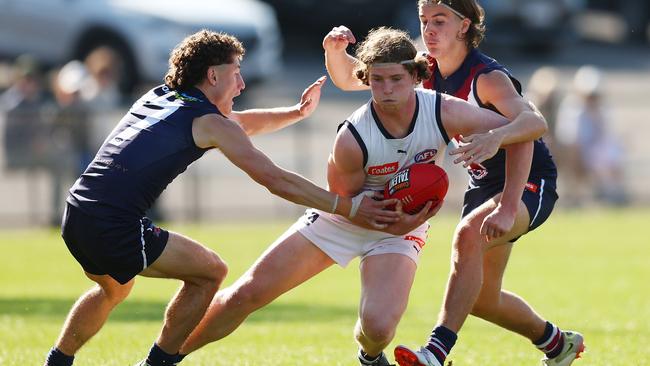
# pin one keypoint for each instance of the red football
(416, 185)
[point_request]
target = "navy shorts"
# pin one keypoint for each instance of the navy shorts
(539, 197)
(120, 250)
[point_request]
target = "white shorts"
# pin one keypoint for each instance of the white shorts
(343, 241)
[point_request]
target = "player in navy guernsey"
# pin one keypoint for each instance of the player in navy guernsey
(495, 211)
(164, 131)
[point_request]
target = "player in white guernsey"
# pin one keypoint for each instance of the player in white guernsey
(400, 125)
(505, 198)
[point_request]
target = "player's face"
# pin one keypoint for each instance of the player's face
(229, 85)
(391, 85)
(440, 28)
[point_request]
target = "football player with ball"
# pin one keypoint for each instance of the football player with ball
(505, 199)
(398, 127)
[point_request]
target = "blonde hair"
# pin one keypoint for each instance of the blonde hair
(387, 45)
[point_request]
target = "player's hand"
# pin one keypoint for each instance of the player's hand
(497, 223)
(311, 97)
(373, 211)
(408, 222)
(475, 149)
(338, 39)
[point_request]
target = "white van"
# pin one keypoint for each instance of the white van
(142, 32)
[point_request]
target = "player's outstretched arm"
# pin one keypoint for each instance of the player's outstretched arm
(340, 65)
(216, 131)
(265, 120)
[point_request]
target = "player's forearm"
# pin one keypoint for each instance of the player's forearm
(299, 190)
(519, 158)
(340, 67)
(528, 126)
(258, 121)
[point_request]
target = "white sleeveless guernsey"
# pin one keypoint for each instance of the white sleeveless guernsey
(383, 154)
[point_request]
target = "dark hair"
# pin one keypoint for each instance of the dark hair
(387, 45)
(190, 60)
(470, 9)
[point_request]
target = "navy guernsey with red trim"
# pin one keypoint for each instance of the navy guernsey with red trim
(146, 151)
(462, 84)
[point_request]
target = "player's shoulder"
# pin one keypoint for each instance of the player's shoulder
(361, 114)
(425, 93)
(428, 96)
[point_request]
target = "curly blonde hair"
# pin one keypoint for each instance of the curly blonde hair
(471, 10)
(190, 60)
(387, 45)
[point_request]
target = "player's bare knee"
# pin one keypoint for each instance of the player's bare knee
(214, 270)
(218, 268)
(379, 328)
(467, 239)
(248, 296)
(116, 293)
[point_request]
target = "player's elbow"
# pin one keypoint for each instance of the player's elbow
(345, 84)
(538, 123)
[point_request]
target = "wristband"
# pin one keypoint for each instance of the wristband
(336, 203)
(356, 202)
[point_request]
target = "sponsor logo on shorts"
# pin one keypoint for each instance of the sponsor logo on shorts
(399, 181)
(419, 242)
(532, 187)
(426, 156)
(385, 169)
(477, 171)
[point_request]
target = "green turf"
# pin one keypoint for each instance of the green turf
(584, 271)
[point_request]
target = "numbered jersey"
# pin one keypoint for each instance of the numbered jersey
(149, 147)
(383, 154)
(462, 84)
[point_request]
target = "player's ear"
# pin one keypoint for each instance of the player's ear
(465, 27)
(212, 75)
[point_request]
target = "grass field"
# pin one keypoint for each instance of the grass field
(584, 271)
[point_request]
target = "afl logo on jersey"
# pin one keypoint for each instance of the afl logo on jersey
(385, 169)
(426, 156)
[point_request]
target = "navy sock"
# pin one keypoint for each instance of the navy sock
(58, 358)
(158, 357)
(551, 342)
(441, 341)
(180, 357)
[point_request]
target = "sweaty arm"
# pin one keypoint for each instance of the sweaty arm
(340, 65)
(259, 121)
(217, 131)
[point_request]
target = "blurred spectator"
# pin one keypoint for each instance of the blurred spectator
(25, 129)
(545, 92)
(100, 92)
(25, 139)
(593, 157)
(70, 123)
(69, 131)
(101, 88)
